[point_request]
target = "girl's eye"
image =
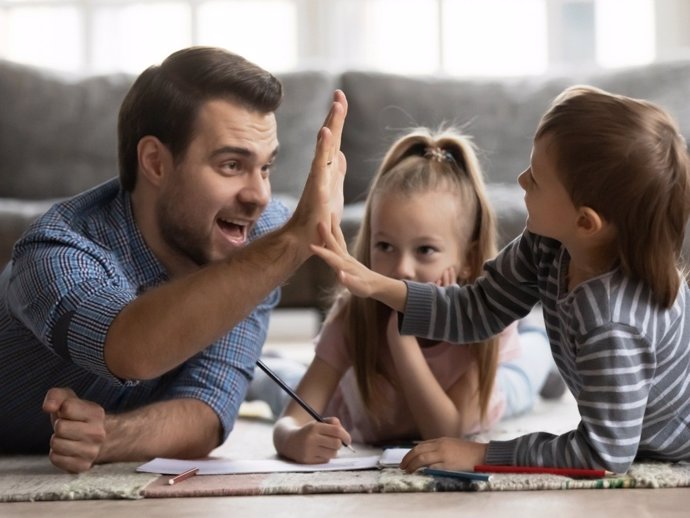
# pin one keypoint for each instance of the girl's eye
(426, 250)
(383, 246)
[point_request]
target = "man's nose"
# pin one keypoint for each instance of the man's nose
(257, 189)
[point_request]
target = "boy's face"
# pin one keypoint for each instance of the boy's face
(550, 211)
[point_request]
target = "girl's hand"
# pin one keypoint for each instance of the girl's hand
(444, 453)
(448, 277)
(316, 443)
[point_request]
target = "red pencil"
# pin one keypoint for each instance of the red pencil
(183, 476)
(566, 472)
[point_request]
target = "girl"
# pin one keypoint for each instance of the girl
(608, 198)
(426, 219)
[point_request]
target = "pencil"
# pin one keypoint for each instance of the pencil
(183, 476)
(294, 396)
(464, 475)
(566, 472)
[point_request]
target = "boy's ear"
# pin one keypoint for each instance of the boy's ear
(589, 222)
(152, 155)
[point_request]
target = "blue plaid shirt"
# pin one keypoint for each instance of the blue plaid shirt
(71, 274)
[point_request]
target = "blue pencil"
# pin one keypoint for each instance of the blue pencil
(465, 475)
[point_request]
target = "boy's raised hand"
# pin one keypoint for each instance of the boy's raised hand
(357, 278)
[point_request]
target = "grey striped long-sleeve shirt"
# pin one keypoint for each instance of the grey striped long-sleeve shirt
(625, 359)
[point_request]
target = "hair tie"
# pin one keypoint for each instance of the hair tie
(437, 154)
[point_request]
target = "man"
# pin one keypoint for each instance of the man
(131, 316)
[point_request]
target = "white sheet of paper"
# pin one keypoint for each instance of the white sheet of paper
(219, 466)
(391, 457)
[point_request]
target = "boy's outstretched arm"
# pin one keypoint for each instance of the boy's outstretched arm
(357, 278)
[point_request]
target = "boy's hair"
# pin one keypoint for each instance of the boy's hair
(626, 159)
(419, 162)
(164, 100)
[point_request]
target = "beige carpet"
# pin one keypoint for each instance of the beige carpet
(34, 478)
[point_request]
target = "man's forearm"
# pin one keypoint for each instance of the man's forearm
(169, 324)
(179, 428)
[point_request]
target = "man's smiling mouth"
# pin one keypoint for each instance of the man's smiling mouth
(233, 231)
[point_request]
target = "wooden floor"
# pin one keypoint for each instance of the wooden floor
(613, 503)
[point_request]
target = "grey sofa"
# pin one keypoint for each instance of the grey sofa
(57, 136)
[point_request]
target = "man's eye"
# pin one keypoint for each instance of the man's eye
(266, 170)
(232, 165)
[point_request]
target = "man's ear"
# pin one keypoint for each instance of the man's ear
(590, 223)
(153, 156)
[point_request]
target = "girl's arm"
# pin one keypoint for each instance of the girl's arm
(436, 412)
(296, 435)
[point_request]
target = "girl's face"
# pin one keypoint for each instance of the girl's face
(417, 237)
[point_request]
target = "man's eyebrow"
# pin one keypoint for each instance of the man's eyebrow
(242, 151)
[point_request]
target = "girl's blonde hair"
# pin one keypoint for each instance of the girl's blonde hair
(421, 161)
(626, 159)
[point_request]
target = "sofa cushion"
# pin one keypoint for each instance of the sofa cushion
(307, 98)
(57, 132)
(500, 114)
(58, 135)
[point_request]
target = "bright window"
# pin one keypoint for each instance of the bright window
(460, 37)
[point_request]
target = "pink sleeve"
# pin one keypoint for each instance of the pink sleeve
(331, 346)
(509, 343)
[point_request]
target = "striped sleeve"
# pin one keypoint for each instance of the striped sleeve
(616, 365)
(506, 292)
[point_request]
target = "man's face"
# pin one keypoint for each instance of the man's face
(214, 196)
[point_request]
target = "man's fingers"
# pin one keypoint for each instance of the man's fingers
(69, 463)
(55, 397)
(90, 430)
(74, 448)
(75, 409)
(335, 120)
(323, 153)
(337, 232)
